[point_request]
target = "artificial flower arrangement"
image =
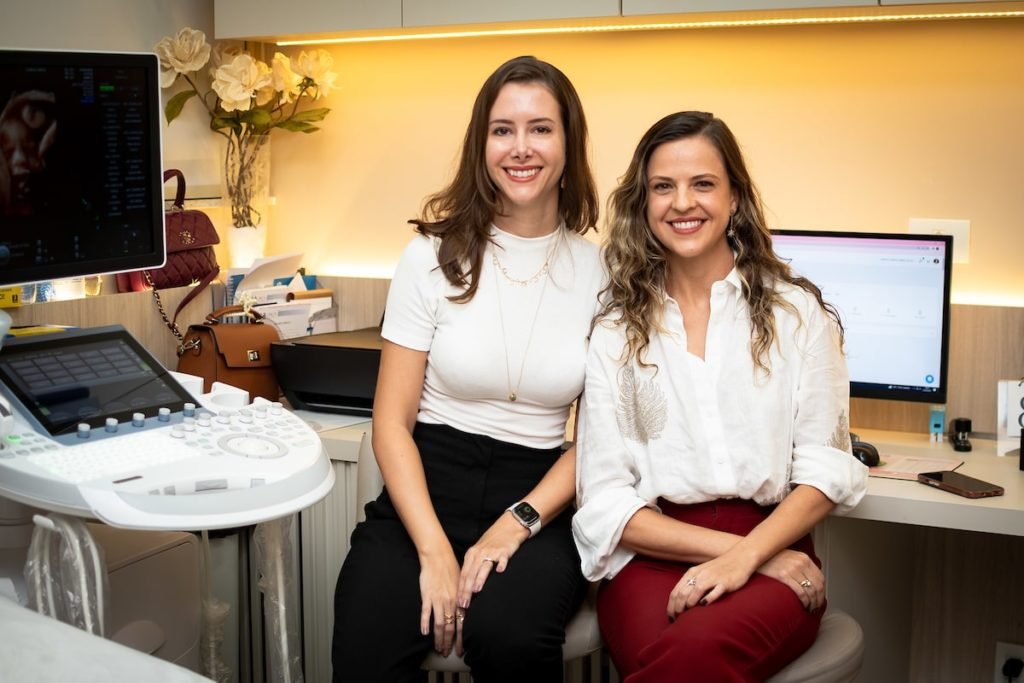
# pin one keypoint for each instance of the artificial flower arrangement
(246, 99)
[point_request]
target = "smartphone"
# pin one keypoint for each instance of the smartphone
(960, 484)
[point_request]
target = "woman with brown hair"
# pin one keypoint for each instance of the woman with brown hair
(714, 428)
(470, 545)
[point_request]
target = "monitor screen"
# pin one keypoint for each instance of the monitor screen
(892, 294)
(86, 376)
(80, 166)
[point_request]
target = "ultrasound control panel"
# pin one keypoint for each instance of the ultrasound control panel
(102, 430)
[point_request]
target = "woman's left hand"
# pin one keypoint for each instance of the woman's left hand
(704, 583)
(491, 553)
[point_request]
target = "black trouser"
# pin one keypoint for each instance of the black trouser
(514, 627)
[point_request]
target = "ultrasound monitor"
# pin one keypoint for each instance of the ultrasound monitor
(81, 189)
(892, 294)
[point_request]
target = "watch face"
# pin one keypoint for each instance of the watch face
(525, 512)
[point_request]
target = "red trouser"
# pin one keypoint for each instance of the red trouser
(748, 635)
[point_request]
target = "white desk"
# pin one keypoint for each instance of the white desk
(893, 500)
(934, 578)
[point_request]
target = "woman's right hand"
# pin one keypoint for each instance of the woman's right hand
(439, 584)
(798, 571)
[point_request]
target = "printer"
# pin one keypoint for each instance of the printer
(333, 372)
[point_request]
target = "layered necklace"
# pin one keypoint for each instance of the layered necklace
(544, 272)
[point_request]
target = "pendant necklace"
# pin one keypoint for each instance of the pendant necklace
(513, 391)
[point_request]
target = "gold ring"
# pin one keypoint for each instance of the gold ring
(449, 618)
(461, 616)
(806, 583)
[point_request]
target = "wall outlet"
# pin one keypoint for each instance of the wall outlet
(958, 228)
(1006, 651)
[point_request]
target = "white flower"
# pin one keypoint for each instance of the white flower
(316, 66)
(285, 81)
(186, 52)
(238, 81)
(221, 54)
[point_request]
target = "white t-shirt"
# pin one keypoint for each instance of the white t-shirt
(528, 337)
(705, 429)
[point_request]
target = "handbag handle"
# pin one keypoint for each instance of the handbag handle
(214, 318)
(179, 193)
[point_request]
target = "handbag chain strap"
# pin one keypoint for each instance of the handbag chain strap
(172, 324)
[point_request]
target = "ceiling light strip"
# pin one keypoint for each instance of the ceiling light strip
(662, 26)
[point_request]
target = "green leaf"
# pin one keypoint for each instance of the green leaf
(176, 104)
(297, 126)
(311, 114)
(259, 118)
(222, 122)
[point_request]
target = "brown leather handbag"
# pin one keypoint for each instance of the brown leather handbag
(235, 354)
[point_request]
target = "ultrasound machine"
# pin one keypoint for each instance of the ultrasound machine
(92, 426)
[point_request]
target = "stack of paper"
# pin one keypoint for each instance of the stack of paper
(294, 309)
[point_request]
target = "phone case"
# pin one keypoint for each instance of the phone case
(984, 493)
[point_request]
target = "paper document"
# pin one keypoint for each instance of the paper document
(907, 467)
(264, 270)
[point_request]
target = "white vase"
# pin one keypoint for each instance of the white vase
(246, 244)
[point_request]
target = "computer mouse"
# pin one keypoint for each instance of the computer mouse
(866, 453)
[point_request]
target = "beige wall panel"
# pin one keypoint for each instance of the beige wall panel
(136, 311)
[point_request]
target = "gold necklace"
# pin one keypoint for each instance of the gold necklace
(544, 269)
(522, 283)
(513, 392)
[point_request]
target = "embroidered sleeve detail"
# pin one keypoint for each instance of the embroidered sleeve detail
(642, 410)
(841, 436)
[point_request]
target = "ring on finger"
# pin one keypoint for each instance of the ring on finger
(488, 559)
(691, 581)
(461, 616)
(449, 618)
(806, 583)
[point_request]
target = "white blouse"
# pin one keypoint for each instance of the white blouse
(526, 335)
(692, 430)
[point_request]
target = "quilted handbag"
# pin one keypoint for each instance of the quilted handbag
(190, 240)
(235, 354)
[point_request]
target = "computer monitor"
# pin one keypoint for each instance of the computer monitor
(892, 294)
(80, 164)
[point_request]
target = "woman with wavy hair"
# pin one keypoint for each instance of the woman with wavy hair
(714, 427)
(469, 548)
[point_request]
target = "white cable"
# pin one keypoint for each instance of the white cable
(73, 537)
(78, 564)
(39, 555)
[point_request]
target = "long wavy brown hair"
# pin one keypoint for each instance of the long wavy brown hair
(637, 261)
(461, 214)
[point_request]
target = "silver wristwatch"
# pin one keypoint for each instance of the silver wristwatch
(527, 515)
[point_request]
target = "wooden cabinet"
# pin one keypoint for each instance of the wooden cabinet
(268, 18)
(433, 13)
(638, 7)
